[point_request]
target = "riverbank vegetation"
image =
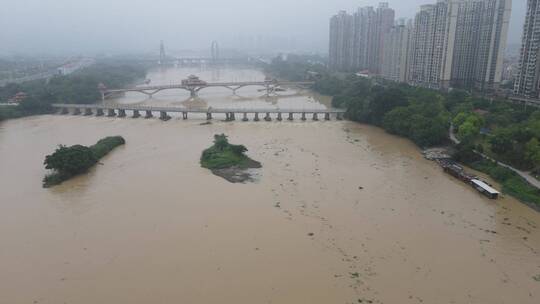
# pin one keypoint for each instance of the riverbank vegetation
(79, 87)
(227, 160)
(67, 162)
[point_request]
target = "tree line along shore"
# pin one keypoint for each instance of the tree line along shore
(80, 87)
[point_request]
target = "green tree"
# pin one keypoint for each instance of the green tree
(532, 152)
(468, 131)
(501, 142)
(221, 141)
(70, 160)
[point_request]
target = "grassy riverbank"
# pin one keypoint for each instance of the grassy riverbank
(67, 162)
(512, 183)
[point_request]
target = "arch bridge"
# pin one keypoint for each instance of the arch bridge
(194, 85)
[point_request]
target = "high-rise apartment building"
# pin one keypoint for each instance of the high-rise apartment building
(384, 21)
(341, 42)
(396, 53)
(357, 42)
(432, 45)
(527, 82)
(364, 21)
(457, 43)
(481, 35)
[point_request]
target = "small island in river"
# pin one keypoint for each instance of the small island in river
(67, 162)
(229, 161)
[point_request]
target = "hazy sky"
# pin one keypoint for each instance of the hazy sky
(90, 26)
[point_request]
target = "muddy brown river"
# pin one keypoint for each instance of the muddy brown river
(341, 213)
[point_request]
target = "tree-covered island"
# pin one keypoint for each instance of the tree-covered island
(228, 161)
(67, 162)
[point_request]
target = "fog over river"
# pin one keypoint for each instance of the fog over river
(341, 213)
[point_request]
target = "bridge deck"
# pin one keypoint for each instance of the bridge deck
(190, 110)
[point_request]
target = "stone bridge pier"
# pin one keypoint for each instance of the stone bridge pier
(267, 117)
(136, 114)
(64, 111)
(88, 112)
(256, 117)
(184, 115)
(245, 117)
(315, 117)
(148, 114)
(77, 111)
(99, 112)
(208, 116)
(279, 118)
(164, 116)
(303, 116)
(111, 113)
(122, 113)
(291, 117)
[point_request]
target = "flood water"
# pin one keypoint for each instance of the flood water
(341, 213)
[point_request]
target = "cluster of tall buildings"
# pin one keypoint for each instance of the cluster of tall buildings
(451, 43)
(527, 81)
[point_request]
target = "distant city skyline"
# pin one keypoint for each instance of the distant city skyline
(448, 43)
(113, 26)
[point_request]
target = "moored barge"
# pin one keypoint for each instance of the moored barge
(458, 172)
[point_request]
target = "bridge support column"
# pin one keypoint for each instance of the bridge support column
(208, 116)
(148, 114)
(327, 116)
(267, 117)
(163, 116)
(315, 117)
(232, 116)
(304, 116)
(64, 111)
(256, 117)
(279, 118)
(121, 113)
(339, 116)
(291, 117)
(111, 113)
(245, 117)
(193, 93)
(88, 112)
(136, 114)
(99, 112)
(184, 115)
(77, 111)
